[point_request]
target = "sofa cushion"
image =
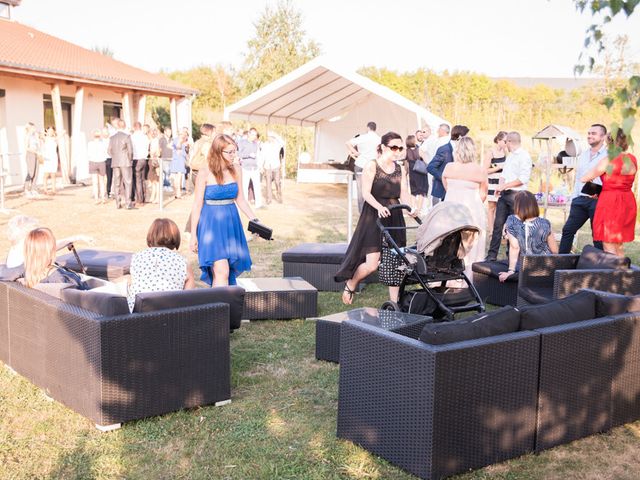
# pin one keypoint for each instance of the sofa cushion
(98, 263)
(153, 301)
(54, 289)
(615, 304)
(332, 253)
(107, 304)
(11, 274)
(487, 324)
(537, 295)
(593, 258)
(574, 308)
(493, 269)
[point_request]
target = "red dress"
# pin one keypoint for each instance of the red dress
(615, 217)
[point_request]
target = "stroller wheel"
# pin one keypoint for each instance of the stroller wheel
(393, 306)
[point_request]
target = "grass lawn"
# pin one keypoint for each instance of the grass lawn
(282, 420)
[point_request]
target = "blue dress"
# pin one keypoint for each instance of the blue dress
(220, 234)
(179, 158)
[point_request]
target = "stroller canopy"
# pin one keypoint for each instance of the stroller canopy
(443, 220)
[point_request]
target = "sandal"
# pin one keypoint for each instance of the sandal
(348, 298)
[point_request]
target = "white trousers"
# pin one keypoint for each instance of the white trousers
(252, 175)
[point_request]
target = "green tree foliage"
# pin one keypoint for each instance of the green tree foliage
(104, 50)
(279, 46)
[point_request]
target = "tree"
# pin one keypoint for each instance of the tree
(627, 98)
(279, 46)
(104, 50)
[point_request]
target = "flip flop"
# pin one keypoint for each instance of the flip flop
(350, 294)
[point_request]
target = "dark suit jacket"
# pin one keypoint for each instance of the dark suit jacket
(120, 150)
(443, 155)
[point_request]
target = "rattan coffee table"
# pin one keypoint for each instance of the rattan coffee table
(328, 327)
(278, 298)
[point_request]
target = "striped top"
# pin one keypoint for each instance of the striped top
(532, 235)
(494, 178)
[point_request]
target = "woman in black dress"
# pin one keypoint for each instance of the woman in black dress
(418, 182)
(384, 183)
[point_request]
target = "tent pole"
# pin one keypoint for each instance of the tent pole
(548, 177)
(349, 206)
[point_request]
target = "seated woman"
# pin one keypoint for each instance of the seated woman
(39, 257)
(160, 267)
(526, 232)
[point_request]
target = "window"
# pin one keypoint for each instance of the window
(5, 10)
(49, 120)
(110, 110)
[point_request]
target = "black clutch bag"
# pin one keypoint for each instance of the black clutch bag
(260, 229)
(591, 188)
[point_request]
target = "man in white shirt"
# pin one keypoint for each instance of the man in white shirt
(583, 207)
(269, 157)
(515, 177)
(140, 142)
(363, 148)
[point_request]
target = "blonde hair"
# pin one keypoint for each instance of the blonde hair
(18, 228)
(465, 151)
(39, 255)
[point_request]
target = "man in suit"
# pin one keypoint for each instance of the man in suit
(443, 155)
(121, 152)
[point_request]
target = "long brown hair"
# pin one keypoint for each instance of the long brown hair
(39, 255)
(217, 162)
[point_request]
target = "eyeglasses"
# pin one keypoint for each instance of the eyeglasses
(395, 148)
(230, 152)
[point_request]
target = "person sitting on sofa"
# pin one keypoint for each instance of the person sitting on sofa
(39, 257)
(526, 232)
(160, 267)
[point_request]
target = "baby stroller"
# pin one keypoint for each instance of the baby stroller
(435, 263)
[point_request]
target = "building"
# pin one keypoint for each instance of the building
(48, 81)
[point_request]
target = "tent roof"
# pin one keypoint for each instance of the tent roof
(555, 131)
(313, 93)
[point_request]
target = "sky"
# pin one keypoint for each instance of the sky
(499, 38)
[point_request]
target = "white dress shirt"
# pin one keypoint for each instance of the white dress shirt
(586, 161)
(140, 145)
(97, 150)
(517, 166)
(367, 145)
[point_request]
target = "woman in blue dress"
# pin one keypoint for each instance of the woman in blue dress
(178, 165)
(216, 229)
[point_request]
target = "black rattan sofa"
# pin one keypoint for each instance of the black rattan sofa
(113, 367)
(438, 410)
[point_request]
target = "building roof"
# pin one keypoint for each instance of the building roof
(26, 51)
(315, 92)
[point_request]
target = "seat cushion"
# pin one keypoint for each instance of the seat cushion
(493, 269)
(55, 289)
(154, 301)
(98, 263)
(536, 295)
(487, 324)
(614, 304)
(332, 253)
(574, 308)
(102, 303)
(593, 258)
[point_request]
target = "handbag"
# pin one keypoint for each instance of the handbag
(255, 226)
(591, 189)
(420, 167)
(388, 271)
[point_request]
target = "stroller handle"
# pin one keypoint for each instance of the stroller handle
(399, 206)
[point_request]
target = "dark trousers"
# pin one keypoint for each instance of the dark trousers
(122, 177)
(107, 164)
(582, 209)
(504, 208)
(32, 171)
(139, 177)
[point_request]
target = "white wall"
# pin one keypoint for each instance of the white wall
(332, 136)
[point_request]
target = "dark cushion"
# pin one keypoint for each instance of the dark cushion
(487, 324)
(102, 303)
(11, 274)
(593, 258)
(536, 295)
(493, 269)
(574, 308)
(610, 304)
(54, 289)
(98, 263)
(332, 253)
(153, 301)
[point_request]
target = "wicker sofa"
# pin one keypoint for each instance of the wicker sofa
(117, 367)
(438, 410)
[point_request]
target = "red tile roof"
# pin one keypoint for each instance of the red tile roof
(27, 51)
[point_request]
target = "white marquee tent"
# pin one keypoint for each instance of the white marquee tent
(337, 103)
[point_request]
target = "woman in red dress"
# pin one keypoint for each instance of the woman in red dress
(615, 218)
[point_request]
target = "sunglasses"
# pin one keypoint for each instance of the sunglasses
(229, 152)
(395, 148)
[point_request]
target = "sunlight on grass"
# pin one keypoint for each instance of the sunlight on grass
(359, 465)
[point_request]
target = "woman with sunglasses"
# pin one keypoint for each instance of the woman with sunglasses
(216, 229)
(384, 183)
